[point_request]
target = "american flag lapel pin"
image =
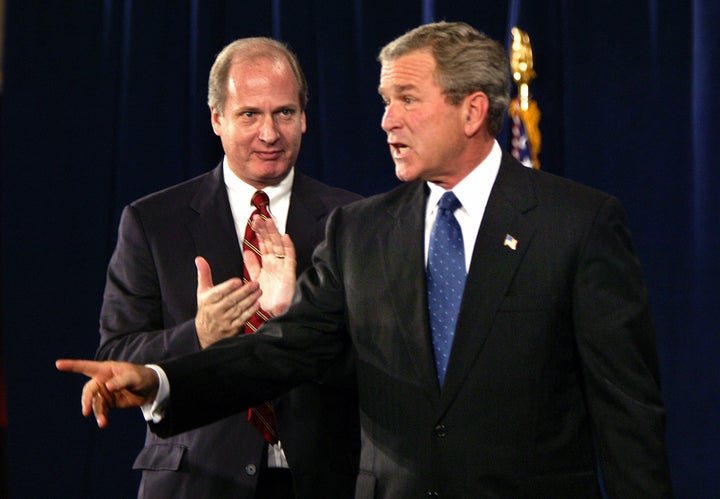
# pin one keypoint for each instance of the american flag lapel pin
(510, 242)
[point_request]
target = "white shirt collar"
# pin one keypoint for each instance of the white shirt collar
(473, 193)
(474, 190)
(240, 193)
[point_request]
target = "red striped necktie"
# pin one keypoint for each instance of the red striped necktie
(263, 415)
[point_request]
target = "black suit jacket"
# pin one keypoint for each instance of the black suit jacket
(148, 316)
(553, 363)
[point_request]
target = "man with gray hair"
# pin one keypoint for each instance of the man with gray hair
(503, 340)
(155, 307)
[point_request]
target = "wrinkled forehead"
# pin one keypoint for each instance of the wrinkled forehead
(406, 72)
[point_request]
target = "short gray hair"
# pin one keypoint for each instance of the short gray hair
(466, 61)
(248, 49)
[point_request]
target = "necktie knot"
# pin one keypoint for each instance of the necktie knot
(260, 201)
(449, 201)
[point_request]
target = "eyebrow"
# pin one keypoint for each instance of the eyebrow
(399, 89)
(254, 109)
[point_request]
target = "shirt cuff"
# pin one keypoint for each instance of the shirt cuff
(155, 411)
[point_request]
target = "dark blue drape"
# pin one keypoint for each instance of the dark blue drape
(104, 102)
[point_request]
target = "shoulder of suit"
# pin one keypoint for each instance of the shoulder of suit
(323, 190)
(564, 193)
(175, 193)
(395, 200)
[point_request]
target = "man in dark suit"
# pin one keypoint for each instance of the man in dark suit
(552, 374)
(152, 312)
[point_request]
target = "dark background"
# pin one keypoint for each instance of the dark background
(104, 101)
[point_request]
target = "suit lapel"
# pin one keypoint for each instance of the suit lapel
(492, 268)
(306, 210)
(213, 229)
(402, 261)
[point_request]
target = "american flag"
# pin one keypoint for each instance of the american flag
(521, 148)
(520, 142)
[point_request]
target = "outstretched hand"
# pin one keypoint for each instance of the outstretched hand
(222, 308)
(276, 276)
(112, 385)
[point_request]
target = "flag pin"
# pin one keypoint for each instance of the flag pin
(510, 242)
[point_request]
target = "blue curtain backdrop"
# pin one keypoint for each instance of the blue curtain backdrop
(104, 101)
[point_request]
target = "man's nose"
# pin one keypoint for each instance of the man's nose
(268, 132)
(389, 118)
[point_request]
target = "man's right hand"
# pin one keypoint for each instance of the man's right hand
(112, 385)
(222, 309)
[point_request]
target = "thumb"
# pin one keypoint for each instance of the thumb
(204, 274)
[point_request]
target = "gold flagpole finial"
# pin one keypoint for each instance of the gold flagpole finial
(521, 62)
(523, 109)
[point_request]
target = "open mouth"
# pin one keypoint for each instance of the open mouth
(399, 150)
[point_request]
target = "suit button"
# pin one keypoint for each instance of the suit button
(432, 493)
(440, 431)
(250, 469)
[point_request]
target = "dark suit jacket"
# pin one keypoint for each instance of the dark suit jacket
(553, 363)
(148, 316)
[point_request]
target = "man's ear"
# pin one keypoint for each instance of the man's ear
(476, 106)
(215, 121)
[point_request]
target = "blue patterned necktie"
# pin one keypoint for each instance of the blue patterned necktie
(445, 279)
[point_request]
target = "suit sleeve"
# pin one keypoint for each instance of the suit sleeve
(616, 341)
(233, 374)
(131, 320)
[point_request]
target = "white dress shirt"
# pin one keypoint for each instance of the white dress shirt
(239, 195)
(473, 193)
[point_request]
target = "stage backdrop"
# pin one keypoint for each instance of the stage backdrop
(104, 101)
